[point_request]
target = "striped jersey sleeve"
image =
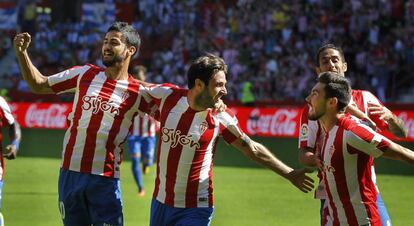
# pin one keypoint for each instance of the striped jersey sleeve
(308, 130)
(67, 80)
(5, 108)
(229, 126)
(366, 140)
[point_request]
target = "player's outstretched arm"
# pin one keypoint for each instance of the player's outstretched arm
(398, 152)
(15, 137)
(36, 81)
(262, 155)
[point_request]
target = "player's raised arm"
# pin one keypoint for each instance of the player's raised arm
(262, 155)
(35, 80)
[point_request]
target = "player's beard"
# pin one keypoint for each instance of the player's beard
(318, 114)
(205, 100)
(115, 59)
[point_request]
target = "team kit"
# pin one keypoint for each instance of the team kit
(337, 137)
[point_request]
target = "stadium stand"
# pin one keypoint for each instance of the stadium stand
(269, 43)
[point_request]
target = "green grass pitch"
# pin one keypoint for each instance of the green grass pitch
(245, 194)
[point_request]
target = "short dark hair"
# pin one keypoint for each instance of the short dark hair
(129, 34)
(329, 46)
(336, 86)
(204, 68)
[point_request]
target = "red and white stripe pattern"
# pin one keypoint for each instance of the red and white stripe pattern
(186, 148)
(144, 126)
(101, 116)
(6, 117)
(347, 153)
(362, 98)
(309, 128)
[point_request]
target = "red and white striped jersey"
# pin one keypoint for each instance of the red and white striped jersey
(309, 128)
(347, 152)
(311, 134)
(6, 117)
(144, 126)
(102, 113)
(186, 147)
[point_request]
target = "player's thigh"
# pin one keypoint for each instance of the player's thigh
(72, 203)
(194, 217)
(105, 201)
(134, 145)
(162, 215)
(148, 149)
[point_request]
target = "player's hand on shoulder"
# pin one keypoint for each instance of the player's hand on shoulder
(11, 152)
(299, 178)
(22, 41)
(381, 111)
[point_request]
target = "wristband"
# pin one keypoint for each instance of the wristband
(16, 143)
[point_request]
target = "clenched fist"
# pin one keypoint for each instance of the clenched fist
(21, 42)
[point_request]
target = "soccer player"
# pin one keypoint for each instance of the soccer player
(346, 155)
(141, 141)
(105, 102)
(189, 132)
(6, 118)
(363, 104)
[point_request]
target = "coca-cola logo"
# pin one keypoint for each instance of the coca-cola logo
(281, 122)
(51, 117)
(96, 103)
(408, 122)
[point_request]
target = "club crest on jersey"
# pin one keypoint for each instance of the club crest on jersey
(203, 127)
(97, 104)
(175, 137)
(125, 95)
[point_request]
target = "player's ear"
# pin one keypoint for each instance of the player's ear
(199, 84)
(318, 70)
(344, 67)
(333, 102)
(132, 50)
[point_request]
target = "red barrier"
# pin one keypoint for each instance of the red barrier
(268, 122)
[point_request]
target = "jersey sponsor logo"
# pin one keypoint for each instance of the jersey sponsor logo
(175, 137)
(97, 104)
(304, 131)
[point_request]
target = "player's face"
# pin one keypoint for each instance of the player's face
(330, 60)
(114, 50)
(317, 102)
(212, 93)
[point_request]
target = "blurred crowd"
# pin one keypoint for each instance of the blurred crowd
(269, 44)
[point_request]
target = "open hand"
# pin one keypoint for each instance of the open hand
(381, 111)
(299, 178)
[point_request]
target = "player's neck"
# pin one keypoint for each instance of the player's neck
(117, 72)
(191, 98)
(328, 121)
